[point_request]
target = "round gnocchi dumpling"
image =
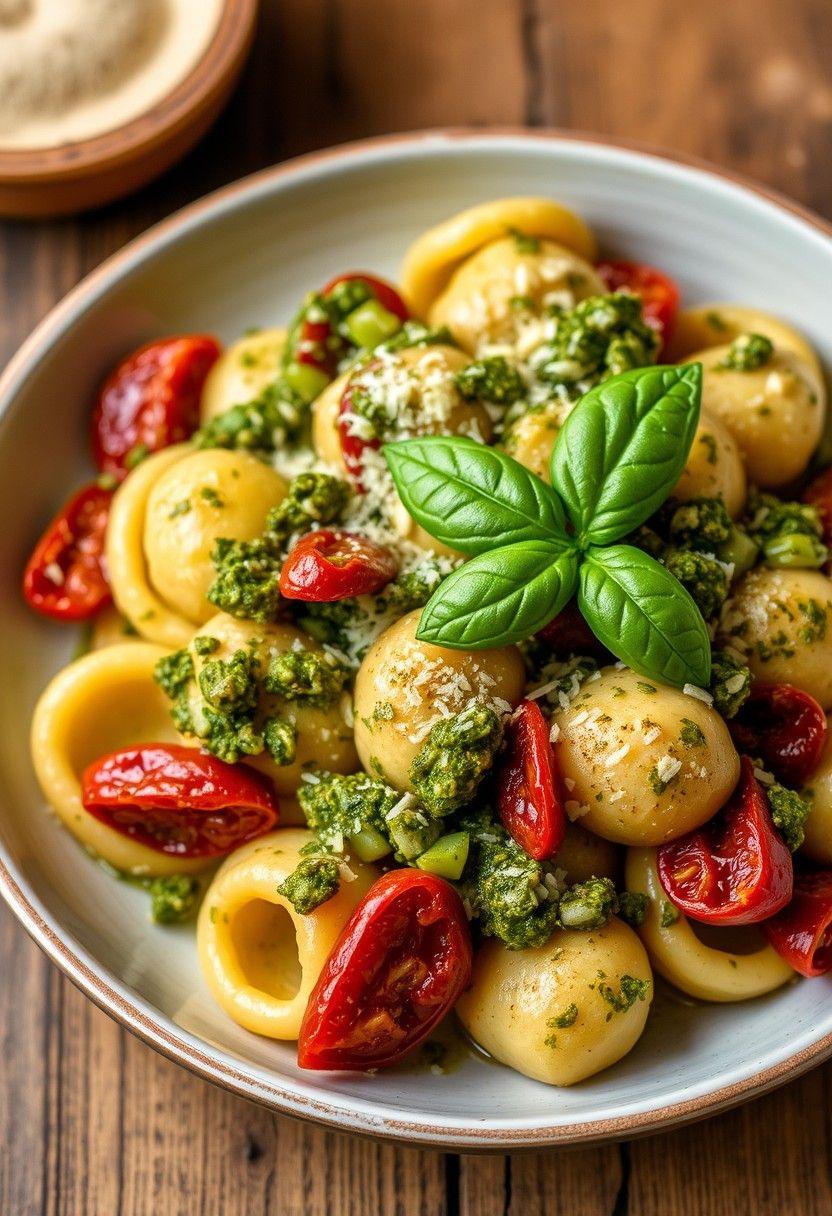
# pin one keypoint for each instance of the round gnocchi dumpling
(404, 687)
(416, 387)
(260, 957)
(714, 467)
(818, 839)
(775, 412)
(645, 763)
(780, 623)
(531, 438)
(494, 292)
(709, 325)
(563, 1011)
(242, 372)
(323, 736)
(584, 855)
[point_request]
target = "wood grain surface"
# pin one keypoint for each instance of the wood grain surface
(93, 1123)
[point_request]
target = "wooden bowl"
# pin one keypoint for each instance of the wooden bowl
(72, 177)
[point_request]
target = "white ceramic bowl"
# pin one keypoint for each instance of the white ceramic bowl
(244, 257)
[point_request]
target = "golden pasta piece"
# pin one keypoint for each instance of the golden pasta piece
(104, 701)
(644, 763)
(775, 413)
(714, 467)
(417, 384)
(432, 258)
(260, 957)
(700, 970)
(404, 687)
(818, 841)
(584, 855)
(242, 372)
(710, 325)
(491, 296)
(110, 628)
(531, 438)
(324, 735)
(564, 1011)
(163, 524)
(780, 623)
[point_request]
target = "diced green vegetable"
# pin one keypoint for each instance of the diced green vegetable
(447, 857)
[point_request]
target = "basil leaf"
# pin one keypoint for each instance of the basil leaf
(644, 616)
(623, 448)
(473, 497)
(500, 597)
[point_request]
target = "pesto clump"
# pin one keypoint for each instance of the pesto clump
(280, 737)
(598, 338)
(789, 812)
(630, 991)
(267, 423)
(309, 677)
(174, 674)
(747, 353)
(230, 698)
(313, 881)
(730, 683)
(491, 379)
(172, 899)
(702, 524)
(454, 758)
(632, 907)
(343, 810)
(787, 533)
(247, 572)
(703, 576)
(588, 904)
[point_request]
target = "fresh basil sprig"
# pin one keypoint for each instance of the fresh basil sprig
(616, 459)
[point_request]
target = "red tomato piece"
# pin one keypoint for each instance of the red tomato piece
(802, 932)
(399, 966)
(568, 633)
(326, 566)
(318, 347)
(736, 870)
(785, 727)
(819, 494)
(151, 400)
(659, 293)
(178, 800)
(65, 578)
(353, 446)
(530, 796)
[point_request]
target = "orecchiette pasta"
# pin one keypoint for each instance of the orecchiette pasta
(715, 467)
(702, 971)
(561, 1012)
(163, 525)
(432, 259)
(101, 702)
(711, 325)
(259, 956)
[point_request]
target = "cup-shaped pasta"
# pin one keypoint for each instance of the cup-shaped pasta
(110, 628)
(242, 372)
(775, 413)
(260, 957)
(492, 295)
(163, 524)
(432, 259)
(584, 855)
(405, 686)
(324, 738)
(780, 622)
(714, 467)
(818, 841)
(700, 970)
(710, 325)
(563, 1011)
(104, 701)
(648, 762)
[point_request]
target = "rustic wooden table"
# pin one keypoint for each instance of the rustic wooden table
(91, 1121)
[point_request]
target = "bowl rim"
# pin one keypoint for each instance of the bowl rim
(78, 964)
(220, 59)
